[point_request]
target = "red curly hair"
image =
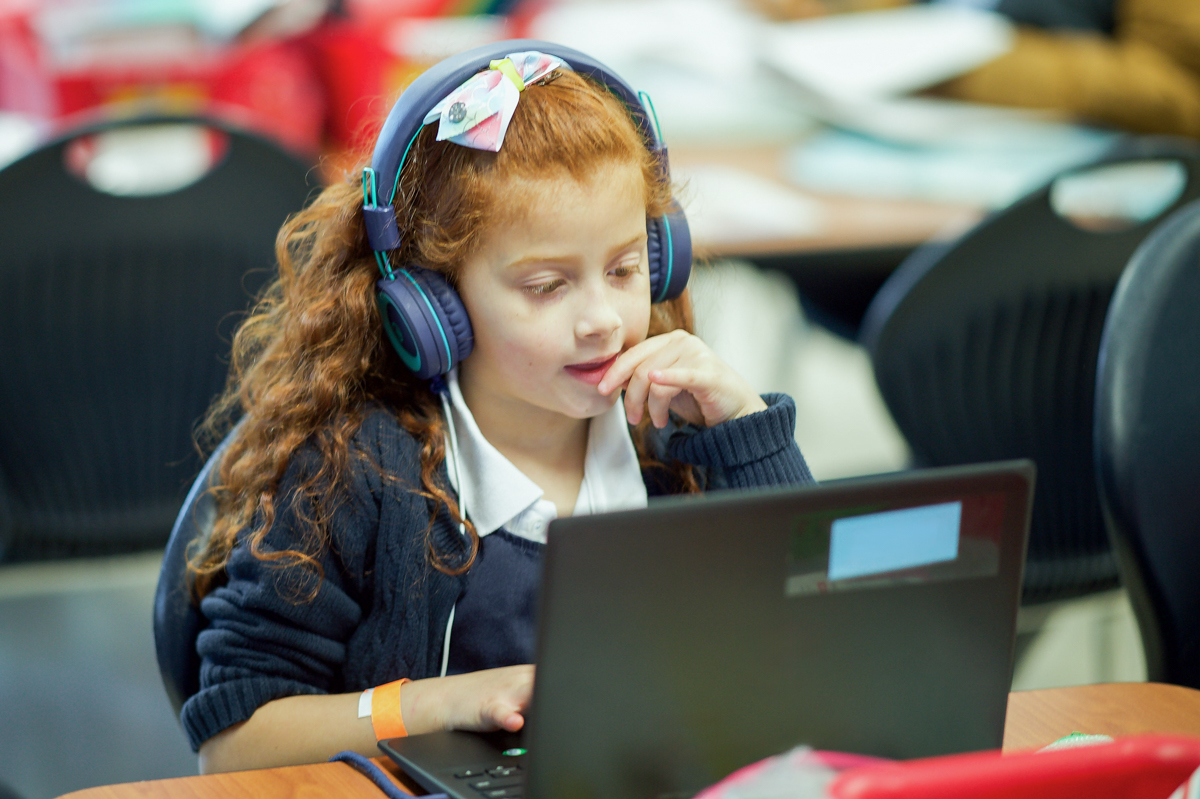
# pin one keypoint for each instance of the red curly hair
(312, 354)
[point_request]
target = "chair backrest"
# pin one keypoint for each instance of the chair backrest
(177, 619)
(115, 319)
(1148, 442)
(985, 349)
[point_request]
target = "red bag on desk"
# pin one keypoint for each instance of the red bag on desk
(1143, 767)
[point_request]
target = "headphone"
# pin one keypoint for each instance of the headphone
(423, 316)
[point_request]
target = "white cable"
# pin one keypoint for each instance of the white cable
(458, 481)
(587, 486)
(446, 642)
(462, 512)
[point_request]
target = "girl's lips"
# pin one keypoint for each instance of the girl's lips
(593, 371)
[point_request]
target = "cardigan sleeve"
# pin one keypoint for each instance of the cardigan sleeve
(753, 451)
(278, 630)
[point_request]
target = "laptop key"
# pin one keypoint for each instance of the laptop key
(493, 784)
(511, 792)
(503, 771)
(469, 772)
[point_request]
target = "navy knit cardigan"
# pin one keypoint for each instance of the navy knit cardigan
(378, 610)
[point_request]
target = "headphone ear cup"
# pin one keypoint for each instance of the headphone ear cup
(451, 312)
(425, 321)
(406, 326)
(669, 251)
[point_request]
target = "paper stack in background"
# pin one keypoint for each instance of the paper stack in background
(718, 72)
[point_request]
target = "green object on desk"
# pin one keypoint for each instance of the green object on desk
(1077, 739)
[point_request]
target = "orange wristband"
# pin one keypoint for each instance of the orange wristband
(386, 718)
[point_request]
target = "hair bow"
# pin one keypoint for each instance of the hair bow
(477, 113)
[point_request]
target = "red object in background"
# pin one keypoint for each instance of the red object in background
(278, 84)
(273, 84)
(270, 86)
(1138, 767)
(24, 87)
(373, 13)
(358, 74)
(369, 56)
(326, 90)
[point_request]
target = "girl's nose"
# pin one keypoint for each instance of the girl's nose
(598, 316)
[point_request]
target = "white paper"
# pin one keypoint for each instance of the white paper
(878, 54)
(697, 59)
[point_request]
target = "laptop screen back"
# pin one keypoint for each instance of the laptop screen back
(681, 642)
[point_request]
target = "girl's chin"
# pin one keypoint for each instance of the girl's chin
(593, 403)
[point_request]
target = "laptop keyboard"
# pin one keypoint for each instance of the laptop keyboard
(498, 782)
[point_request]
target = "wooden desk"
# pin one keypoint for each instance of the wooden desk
(1035, 718)
(841, 264)
(850, 223)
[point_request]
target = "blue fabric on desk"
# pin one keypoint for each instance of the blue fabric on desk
(376, 775)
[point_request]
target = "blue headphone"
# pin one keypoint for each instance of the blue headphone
(423, 316)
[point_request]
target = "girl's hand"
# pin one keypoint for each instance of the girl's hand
(678, 372)
(480, 701)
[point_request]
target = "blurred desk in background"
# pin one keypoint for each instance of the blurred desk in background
(838, 249)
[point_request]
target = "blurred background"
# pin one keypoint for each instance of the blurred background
(911, 217)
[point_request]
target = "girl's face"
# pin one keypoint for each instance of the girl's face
(556, 292)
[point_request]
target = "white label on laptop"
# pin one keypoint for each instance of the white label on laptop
(893, 540)
(852, 550)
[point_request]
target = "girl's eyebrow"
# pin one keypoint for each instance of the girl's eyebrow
(542, 259)
(636, 239)
(534, 260)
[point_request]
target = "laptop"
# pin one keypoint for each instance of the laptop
(680, 642)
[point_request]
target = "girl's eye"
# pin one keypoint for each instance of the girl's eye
(543, 289)
(627, 267)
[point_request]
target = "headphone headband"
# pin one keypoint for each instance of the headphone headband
(406, 117)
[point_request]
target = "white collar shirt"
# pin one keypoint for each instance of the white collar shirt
(497, 494)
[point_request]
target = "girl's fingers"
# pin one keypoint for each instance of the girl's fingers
(506, 718)
(659, 404)
(623, 368)
(679, 377)
(688, 377)
(717, 394)
(637, 390)
(490, 699)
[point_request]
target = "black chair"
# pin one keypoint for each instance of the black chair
(115, 318)
(177, 619)
(985, 349)
(1148, 442)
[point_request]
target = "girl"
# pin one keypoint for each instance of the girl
(376, 530)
